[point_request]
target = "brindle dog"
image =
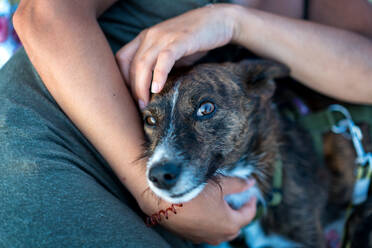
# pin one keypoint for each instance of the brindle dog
(219, 119)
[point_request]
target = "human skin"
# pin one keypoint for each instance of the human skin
(333, 61)
(113, 124)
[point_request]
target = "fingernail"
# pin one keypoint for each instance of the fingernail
(155, 87)
(141, 104)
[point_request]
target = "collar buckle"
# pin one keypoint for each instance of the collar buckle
(349, 129)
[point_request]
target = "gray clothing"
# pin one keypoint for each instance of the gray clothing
(56, 190)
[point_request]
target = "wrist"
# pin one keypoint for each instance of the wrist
(150, 203)
(244, 20)
(229, 25)
(236, 13)
(232, 21)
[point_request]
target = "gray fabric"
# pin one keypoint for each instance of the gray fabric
(55, 189)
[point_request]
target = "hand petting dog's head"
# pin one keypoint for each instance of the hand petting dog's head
(202, 124)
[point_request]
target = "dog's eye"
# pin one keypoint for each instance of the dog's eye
(150, 120)
(205, 108)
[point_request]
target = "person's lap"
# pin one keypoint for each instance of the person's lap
(55, 188)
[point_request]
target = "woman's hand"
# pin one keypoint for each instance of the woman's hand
(207, 218)
(153, 53)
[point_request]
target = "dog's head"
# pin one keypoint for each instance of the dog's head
(201, 124)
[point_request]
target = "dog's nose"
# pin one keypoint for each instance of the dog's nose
(165, 175)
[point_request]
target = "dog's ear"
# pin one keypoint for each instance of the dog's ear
(258, 76)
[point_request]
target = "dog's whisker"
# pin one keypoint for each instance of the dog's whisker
(216, 181)
(262, 173)
(138, 160)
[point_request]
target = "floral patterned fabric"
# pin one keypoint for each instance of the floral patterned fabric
(9, 41)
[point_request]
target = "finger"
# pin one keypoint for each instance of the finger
(142, 65)
(164, 64)
(246, 214)
(142, 81)
(125, 56)
(162, 68)
(235, 185)
(141, 73)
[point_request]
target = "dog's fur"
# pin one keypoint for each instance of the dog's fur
(244, 137)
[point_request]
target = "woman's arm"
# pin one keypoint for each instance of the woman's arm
(330, 60)
(72, 56)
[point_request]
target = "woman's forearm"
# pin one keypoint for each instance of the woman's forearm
(73, 58)
(332, 61)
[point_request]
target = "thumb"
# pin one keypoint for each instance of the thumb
(246, 214)
(232, 185)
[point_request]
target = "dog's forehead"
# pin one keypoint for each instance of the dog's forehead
(216, 79)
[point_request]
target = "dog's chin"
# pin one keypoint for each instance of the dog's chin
(177, 198)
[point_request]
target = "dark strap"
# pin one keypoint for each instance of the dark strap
(276, 193)
(306, 9)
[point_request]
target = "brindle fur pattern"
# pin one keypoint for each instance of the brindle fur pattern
(246, 126)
